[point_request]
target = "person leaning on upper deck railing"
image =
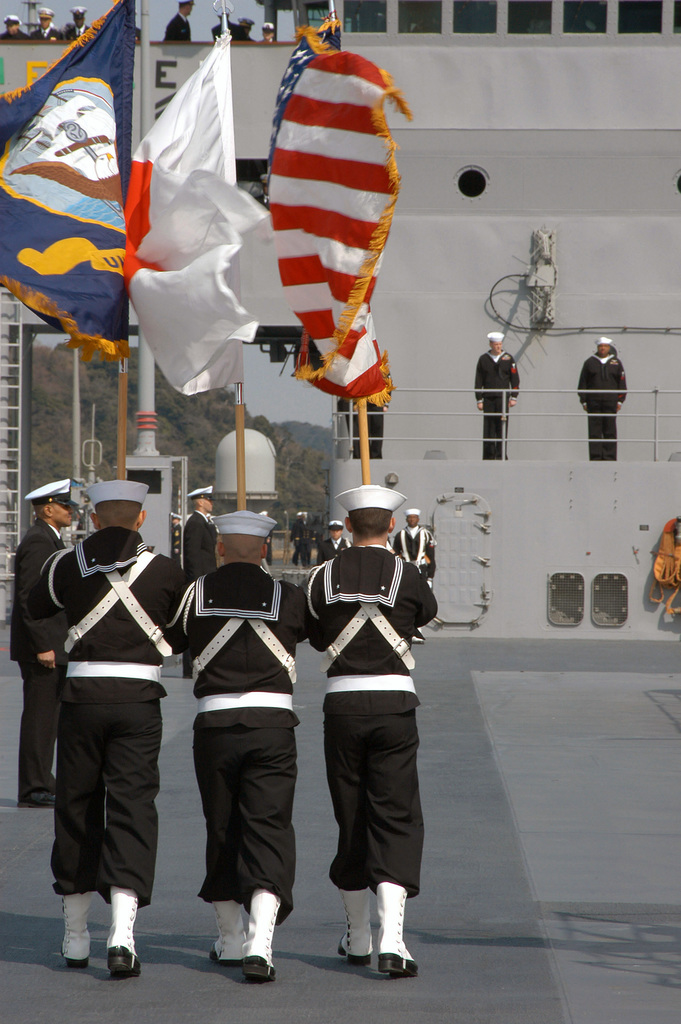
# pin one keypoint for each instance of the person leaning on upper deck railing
(602, 372)
(13, 28)
(178, 29)
(496, 369)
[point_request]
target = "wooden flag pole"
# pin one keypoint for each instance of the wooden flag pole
(363, 421)
(122, 431)
(239, 422)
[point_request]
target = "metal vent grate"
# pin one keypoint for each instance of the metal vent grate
(566, 598)
(609, 599)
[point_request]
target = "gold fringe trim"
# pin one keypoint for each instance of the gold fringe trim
(312, 376)
(89, 343)
(9, 97)
(312, 36)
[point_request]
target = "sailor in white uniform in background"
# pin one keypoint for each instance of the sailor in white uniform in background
(366, 605)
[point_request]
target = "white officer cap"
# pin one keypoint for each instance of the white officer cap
(46, 12)
(201, 492)
(370, 496)
(117, 490)
(495, 336)
(246, 21)
(335, 524)
(12, 19)
(268, 26)
(604, 341)
(252, 524)
(301, 514)
(58, 491)
(412, 511)
(79, 10)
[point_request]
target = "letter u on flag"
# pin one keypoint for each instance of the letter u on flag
(333, 187)
(186, 218)
(64, 168)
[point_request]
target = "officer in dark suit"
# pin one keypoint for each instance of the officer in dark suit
(76, 28)
(178, 29)
(243, 627)
(333, 544)
(117, 597)
(200, 536)
(366, 605)
(496, 392)
(602, 390)
(38, 645)
(46, 31)
(13, 28)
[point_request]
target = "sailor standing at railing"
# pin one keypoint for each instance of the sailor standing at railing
(496, 392)
(366, 605)
(242, 627)
(117, 597)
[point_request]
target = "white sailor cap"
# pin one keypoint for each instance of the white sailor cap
(335, 524)
(58, 491)
(412, 511)
(370, 496)
(12, 19)
(252, 524)
(495, 336)
(117, 490)
(604, 341)
(45, 12)
(300, 514)
(79, 10)
(202, 492)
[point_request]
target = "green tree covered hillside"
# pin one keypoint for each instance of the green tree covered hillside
(191, 426)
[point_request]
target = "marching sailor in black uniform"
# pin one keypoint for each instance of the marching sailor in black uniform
(366, 605)
(117, 597)
(334, 543)
(38, 645)
(496, 391)
(416, 544)
(243, 627)
(602, 390)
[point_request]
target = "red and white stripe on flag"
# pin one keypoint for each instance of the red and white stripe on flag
(333, 187)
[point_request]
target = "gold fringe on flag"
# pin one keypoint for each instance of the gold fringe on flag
(89, 343)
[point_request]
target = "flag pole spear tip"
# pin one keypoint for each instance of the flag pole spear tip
(221, 7)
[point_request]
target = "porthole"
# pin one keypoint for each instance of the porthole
(677, 179)
(471, 182)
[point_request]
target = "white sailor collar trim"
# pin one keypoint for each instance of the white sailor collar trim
(268, 610)
(89, 566)
(387, 594)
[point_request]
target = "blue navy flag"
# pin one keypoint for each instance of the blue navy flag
(311, 43)
(64, 170)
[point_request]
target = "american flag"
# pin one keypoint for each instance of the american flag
(333, 187)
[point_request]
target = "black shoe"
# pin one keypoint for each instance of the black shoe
(257, 969)
(396, 966)
(76, 963)
(39, 798)
(353, 958)
(418, 637)
(122, 962)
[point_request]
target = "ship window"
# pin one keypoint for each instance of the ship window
(315, 14)
(364, 16)
(639, 16)
(419, 16)
(566, 598)
(677, 15)
(529, 17)
(586, 16)
(471, 16)
(609, 599)
(472, 182)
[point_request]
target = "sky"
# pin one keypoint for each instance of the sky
(202, 18)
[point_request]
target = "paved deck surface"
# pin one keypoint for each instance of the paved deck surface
(551, 889)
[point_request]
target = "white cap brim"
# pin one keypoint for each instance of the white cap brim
(117, 490)
(249, 524)
(370, 496)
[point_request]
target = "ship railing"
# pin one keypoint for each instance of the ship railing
(546, 423)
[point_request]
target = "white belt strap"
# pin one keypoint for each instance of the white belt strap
(274, 645)
(252, 699)
(367, 611)
(120, 591)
